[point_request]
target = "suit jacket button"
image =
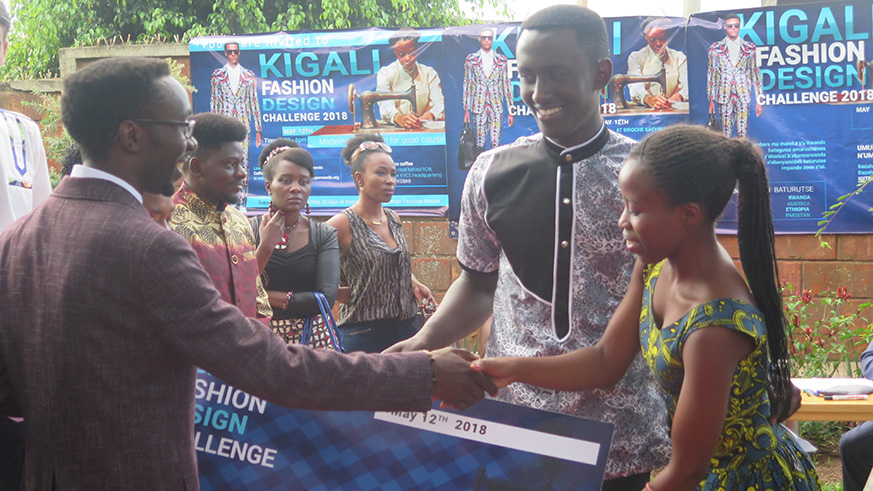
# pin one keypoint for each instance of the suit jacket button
(234, 259)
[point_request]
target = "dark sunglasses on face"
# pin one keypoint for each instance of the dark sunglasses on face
(732, 26)
(231, 52)
(486, 37)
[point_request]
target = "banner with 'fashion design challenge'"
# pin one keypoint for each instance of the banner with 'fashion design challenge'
(245, 443)
(810, 103)
(796, 80)
(320, 88)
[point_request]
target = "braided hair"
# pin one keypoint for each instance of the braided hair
(694, 165)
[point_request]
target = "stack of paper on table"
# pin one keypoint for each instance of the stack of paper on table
(834, 386)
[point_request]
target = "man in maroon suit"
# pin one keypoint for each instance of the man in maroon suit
(106, 315)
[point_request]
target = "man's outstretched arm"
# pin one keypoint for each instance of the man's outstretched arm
(467, 304)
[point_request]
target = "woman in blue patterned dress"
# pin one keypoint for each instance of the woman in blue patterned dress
(715, 344)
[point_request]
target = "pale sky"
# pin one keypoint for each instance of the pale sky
(623, 8)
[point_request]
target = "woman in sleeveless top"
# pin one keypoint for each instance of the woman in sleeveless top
(379, 293)
(305, 256)
(715, 344)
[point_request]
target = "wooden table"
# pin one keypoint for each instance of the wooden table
(818, 409)
(814, 408)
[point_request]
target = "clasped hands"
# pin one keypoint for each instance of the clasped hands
(462, 378)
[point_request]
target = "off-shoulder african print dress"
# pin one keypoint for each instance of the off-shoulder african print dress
(751, 454)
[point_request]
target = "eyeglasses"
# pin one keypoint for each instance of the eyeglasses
(370, 145)
(188, 124)
(486, 37)
(732, 26)
(231, 52)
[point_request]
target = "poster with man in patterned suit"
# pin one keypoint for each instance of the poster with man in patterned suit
(733, 68)
(235, 93)
(486, 84)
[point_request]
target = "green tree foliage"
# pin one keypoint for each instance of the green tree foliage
(42, 27)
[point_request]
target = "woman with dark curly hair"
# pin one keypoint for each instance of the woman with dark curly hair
(379, 293)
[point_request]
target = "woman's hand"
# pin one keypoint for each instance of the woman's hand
(791, 409)
(423, 295)
(271, 227)
(408, 121)
(499, 369)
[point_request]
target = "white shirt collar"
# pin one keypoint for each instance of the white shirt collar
(92, 173)
(575, 147)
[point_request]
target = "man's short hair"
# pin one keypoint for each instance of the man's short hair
(589, 27)
(99, 97)
(230, 43)
(5, 19)
(404, 34)
(212, 130)
(487, 29)
(732, 15)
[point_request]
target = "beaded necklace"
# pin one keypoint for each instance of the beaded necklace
(283, 242)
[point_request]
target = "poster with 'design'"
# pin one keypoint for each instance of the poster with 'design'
(243, 442)
(796, 80)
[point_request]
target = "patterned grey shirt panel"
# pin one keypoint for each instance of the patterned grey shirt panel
(601, 267)
(478, 246)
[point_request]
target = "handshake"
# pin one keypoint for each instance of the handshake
(461, 379)
(456, 384)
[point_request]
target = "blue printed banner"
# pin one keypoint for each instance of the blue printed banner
(799, 84)
(243, 442)
(317, 88)
(804, 97)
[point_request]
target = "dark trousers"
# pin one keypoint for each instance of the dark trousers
(375, 336)
(11, 455)
(856, 452)
(634, 482)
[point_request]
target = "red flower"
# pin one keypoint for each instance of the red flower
(806, 296)
(843, 293)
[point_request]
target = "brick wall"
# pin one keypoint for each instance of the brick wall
(806, 265)
(802, 262)
(11, 100)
